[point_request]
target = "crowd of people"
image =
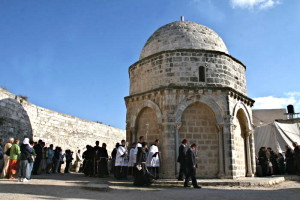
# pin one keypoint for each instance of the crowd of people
(273, 163)
(137, 160)
(31, 158)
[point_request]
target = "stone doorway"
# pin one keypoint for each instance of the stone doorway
(240, 147)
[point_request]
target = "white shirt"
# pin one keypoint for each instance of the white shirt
(132, 158)
(135, 152)
(121, 159)
(153, 161)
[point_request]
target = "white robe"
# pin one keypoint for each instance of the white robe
(132, 157)
(135, 152)
(120, 159)
(153, 161)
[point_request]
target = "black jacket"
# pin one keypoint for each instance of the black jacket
(182, 153)
(141, 156)
(25, 152)
(190, 158)
(39, 151)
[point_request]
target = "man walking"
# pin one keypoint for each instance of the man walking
(191, 166)
(181, 159)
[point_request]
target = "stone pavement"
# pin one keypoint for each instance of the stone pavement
(76, 186)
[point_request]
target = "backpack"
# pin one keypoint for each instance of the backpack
(8, 152)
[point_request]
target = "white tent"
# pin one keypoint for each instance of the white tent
(276, 135)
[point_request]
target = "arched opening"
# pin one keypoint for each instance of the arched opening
(146, 125)
(239, 147)
(199, 127)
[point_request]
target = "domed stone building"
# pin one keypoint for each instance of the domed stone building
(186, 85)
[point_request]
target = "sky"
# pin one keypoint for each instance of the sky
(72, 56)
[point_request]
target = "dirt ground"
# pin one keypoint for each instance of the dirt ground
(72, 186)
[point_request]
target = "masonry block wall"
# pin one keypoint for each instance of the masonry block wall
(25, 119)
(181, 68)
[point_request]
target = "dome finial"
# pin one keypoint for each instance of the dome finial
(182, 18)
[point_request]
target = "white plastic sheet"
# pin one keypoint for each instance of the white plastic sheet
(276, 135)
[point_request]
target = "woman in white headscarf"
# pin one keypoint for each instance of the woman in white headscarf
(23, 162)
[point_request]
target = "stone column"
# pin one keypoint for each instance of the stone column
(248, 154)
(177, 125)
(133, 134)
(252, 152)
(228, 129)
(221, 173)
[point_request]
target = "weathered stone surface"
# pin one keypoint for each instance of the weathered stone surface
(183, 35)
(25, 119)
(197, 92)
(145, 76)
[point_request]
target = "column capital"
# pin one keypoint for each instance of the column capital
(178, 125)
(248, 132)
(220, 127)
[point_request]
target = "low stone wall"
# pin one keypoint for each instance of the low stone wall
(22, 118)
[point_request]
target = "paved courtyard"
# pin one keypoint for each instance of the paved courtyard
(75, 186)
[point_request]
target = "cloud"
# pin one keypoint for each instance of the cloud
(252, 4)
(271, 102)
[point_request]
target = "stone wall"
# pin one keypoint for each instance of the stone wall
(25, 119)
(181, 68)
(199, 127)
(207, 117)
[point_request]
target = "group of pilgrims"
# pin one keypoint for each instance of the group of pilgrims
(25, 158)
(139, 161)
(273, 163)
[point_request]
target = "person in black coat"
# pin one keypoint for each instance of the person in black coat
(191, 166)
(297, 157)
(263, 160)
(39, 156)
(103, 156)
(142, 176)
(181, 159)
(289, 160)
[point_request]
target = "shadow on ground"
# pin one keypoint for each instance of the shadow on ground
(71, 187)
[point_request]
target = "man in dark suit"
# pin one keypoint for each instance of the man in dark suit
(181, 159)
(191, 167)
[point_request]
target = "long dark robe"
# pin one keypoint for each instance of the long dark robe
(102, 167)
(89, 168)
(263, 161)
(297, 159)
(289, 159)
(273, 160)
(142, 177)
(113, 161)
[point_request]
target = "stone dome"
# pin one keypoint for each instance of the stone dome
(183, 35)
